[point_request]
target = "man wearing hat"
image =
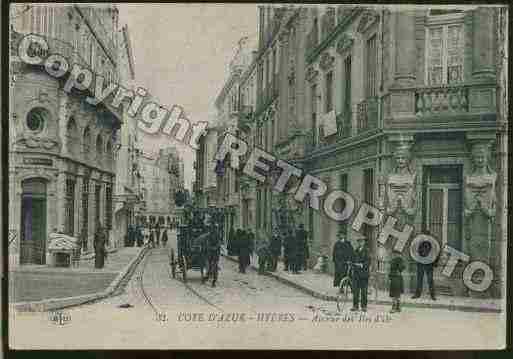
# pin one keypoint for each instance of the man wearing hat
(342, 253)
(361, 261)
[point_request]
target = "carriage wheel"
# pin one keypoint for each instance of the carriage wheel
(173, 263)
(184, 270)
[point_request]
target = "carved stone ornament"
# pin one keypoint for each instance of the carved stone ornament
(311, 73)
(368, 18)
(327, 61)
(480, 184)
(344, 43)
(401, 184)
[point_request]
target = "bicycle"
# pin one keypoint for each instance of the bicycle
(346, 285)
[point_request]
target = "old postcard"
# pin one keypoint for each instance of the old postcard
(247, 176)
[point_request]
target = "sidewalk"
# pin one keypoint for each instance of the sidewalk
(41, 284)
(320, 285)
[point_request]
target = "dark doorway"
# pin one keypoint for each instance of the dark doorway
(33, 222)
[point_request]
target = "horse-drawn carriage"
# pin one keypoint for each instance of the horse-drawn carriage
(191, 252)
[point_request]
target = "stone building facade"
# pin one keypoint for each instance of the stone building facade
(61, 157)
(127, 150)
(404, 109)
(205, 184)
(160, 174)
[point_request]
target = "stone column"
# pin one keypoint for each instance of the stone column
(61, 191)
(78, 206)
(483, 56)
(405, 49)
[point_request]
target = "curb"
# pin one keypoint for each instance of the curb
(60, 303)
(333, 298)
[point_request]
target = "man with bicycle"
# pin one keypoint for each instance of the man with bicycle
(361, 261)
(342, 254)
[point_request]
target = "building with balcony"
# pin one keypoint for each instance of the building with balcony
(227, 105)
(126, 150)
(160, 179)
(205, 184)
(61, 149)
(414, 98)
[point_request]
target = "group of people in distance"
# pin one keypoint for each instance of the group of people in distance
(155, 232)
(241, 243)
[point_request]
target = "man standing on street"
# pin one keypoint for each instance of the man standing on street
(424, 250)
(100, 251)
(361, 261)
(303, 251)
(288, 243)
(343, 252)
(244, 248)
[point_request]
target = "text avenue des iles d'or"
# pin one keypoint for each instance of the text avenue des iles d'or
(153, 118)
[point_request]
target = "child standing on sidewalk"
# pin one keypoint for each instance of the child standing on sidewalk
(396, 281)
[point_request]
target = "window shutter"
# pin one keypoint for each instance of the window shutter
(435, 56)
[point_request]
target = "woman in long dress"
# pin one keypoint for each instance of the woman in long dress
(99, 247)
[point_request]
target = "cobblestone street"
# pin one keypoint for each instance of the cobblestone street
(163, 312)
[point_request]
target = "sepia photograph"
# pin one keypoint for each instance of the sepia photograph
(186, 176)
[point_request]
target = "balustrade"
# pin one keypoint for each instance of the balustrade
(435, 100)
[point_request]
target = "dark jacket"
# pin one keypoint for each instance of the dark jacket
(276, 246)
(302, 243)
(361, 256)
(395, 275)
(342, 252)
(164, 236)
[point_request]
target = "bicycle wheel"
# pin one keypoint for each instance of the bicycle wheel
(343, 294)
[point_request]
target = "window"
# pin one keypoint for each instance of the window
(347, 87)
(329, 91)
(85, 212)
(368, 197)
(313, 102)
(69, 207)
(99, 147)
(444, 49)
(72, 136)
(443, 203)
(371, 63)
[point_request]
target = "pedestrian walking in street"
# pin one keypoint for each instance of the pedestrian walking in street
(157, 235)
(275, 249)
(164, 237)
(100, 252)
(361, 262)
(139, 236)
(343, 253)
(288, 246)
(244, 249)
(213, 255)
(151, 238)
(296, 253)
(263, 251)
(303, 251)
(396, 281)
(231, 243)
(424, 251)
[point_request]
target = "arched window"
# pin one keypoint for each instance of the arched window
(87, 142)
(72, 137)
(108, 150)
(99, 147)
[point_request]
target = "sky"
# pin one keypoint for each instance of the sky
(181, 54)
